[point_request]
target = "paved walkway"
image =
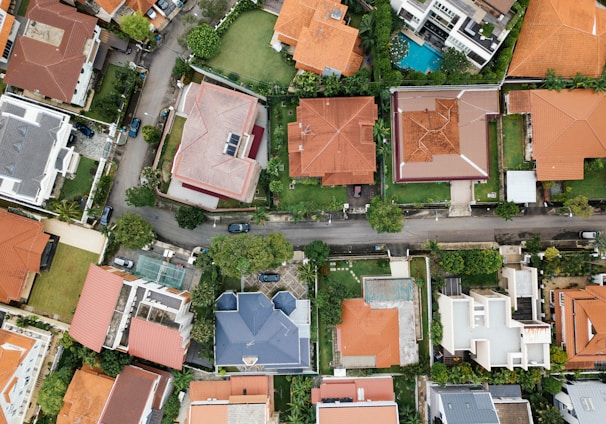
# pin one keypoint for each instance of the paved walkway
(76, 236)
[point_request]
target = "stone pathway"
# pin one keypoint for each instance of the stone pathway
(333, 268)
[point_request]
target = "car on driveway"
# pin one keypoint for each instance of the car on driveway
(238, 228)
(124, 262)
(589, 235)
(269, 277)
(84, 129)
(106, 215)
(134, 128)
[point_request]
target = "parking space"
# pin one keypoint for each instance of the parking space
(289, 280)
(94, 147)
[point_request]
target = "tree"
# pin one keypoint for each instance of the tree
(507, 210)
(205, 293)
(380, 131)
(181, 379)
(384, 216)
(452, 262)
(534, 245)
(204, 41)
(306, 273)
(276, 186)
(557, 358)
(113, 362)
(203, 331)
(189, 217)
(151, 177)
(281, 249)
(439, 373)
(367, 32)
(213, 9)
(136, 26)
(67, 210)
(140, 196)
(317, 252)
(436, 331)
(551, 253)
(273, 166)
(307, 84)
(54, 386)
(549, 414)
(151, 134)
(580, 206)
(132, 231)
(260, 216)
(552, 385)
(600, 242)
(453, 61)
(554, 81)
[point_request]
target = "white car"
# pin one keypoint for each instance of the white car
(151, 14)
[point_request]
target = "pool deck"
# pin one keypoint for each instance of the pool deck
(414, 37)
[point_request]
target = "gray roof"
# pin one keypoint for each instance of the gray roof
(256, 329)
(473, 407)
(285, 301)
(228, 301)
(505, 390)
(589, 401)
(25, 147)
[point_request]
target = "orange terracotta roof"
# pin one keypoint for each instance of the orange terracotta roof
(52, 70)
(442, 135)
(22, 241)
(322, 39)
(375, 389)
(369, 332)
(110, 6)
(567, 36)
(384, 414)
(212, 389)
(5, 4)
(5, 30)
(332, 139)
(144, 342)
(14, 348)
(581, 325)
(141, 6)
(96, 307)
(213, 113)
(202, 414)
(85, 397)
(567, 127)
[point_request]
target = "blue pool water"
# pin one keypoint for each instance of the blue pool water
(420, 58)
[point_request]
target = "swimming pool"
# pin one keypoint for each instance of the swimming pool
(420, 58)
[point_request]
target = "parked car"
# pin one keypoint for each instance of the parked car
(269, 277)
(124, 262)
(106, 216)
(134, 128)
(589, 235)
(71, 139)
(162, 4)
(84, 129)
(238, 228)
(357, 191)
(151, 14)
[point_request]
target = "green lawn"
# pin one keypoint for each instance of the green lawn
(107, 85)
(281, 392)
(245, 50)
(480, 280)
(418, 270)
(57, 291)
(80, 186)
(406, 193)
(325, 343)
(492, 185)
(513, 141)
(22, 7)
(169, 149)
(360, 268)
(593, 185)
(231, 283)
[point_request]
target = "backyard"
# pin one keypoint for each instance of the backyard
(418, 271)
(81, 184)
(492, 185)
(245, 51)
(56, 291)
(513, 141)
(169, 149)
(593, 185)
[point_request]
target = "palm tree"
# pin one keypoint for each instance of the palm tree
(307, 273)
(182, 379)
(260, 216)
(380, 131)
(367, 32)
(67, 210)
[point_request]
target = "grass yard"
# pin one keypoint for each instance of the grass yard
(480, 280)
(418, 271)
(169, 149)
(513, 141)
(107, 85)
(281, 392)
(231, 283)
(57, 291)
(492, 185)
(245, 50)
(411, 193)
(360, 268)
(80, 186)
(22, 7)
(325, 349)
(593, 185)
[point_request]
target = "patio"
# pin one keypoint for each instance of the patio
(289, 280)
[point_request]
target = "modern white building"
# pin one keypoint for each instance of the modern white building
(476, 28)
(33, 150)
(482, 324)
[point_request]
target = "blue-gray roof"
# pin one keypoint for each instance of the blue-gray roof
(474, 407)
(285, 301)
(227, 302)
(257, 329)
(505, 390)
(589, 400)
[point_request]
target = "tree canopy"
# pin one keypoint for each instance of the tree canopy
(246, 254)
(453, 61)
(580, 206)
(317, 252)
(151, 134)
(507, 210)
(133, 232)
(204, 41)
(384, 216)
(189, 217)
(140, 196)
(135, 26)
(54, 386)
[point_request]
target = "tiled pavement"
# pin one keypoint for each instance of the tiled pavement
(289, 280)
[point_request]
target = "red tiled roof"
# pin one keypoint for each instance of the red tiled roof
(375, 388)
(130, 396)
(564, 35)
(10, 360)
(353, 414)
(85, 397)
(22, 241)
(51, 70)
(333, 139)
(156, 343)
(567, 128)
(141, 6)
(96, 307)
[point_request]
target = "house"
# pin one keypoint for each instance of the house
(23, 242)
(255, 333)
(355, 400)
(22, 357)
(9, 27)
(322, 42)
(115, 10)
(241, 398)
(217, 154)
(476, 28)
(135, 396)
(578, 321)
(54, 56)
(332, 138)
(565, 128)
(442, 134)
(121, 311)
(522, 286)
(33, 142)
(382, 328)
(482, 324)
(555, 31)
(464, 404)
(581, 402)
